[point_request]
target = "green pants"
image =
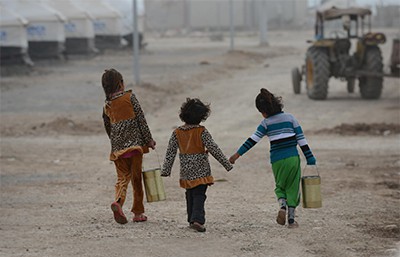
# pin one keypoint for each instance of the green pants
(287, 173)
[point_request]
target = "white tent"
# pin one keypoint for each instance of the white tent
(45, 32)
(79, 31)
(125, 7)
(13, 38)
(107, 22)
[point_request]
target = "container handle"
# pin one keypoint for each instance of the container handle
(158, 160)
(304, 170)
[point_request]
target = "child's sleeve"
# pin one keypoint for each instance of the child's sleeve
(107, 124)
(302, 142)
(214, 150)
(253, 140)
(170, 155)
(141, 119)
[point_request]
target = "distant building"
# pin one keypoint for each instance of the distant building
(387, 16)
(326, 4)
(192, 15)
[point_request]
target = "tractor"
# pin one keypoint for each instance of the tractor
(329, 55)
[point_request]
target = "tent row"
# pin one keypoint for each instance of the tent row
(51, 29)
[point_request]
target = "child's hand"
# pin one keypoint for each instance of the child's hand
(152, 144)
(311, 161)
(233, 158)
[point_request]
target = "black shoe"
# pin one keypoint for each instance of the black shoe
(198, 227)
(293, 224)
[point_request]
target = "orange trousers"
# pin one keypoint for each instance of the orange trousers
(130, 170)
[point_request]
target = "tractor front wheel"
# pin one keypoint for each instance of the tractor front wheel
(371, 87)
(317, 73)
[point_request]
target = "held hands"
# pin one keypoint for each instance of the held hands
(233, 158)
(311, 161)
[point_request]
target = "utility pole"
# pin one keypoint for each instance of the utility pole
(186, 16)
(135, 44)
(231, 23)
(263, 23)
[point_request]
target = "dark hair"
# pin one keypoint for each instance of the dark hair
(194, 111)
(267, 103)
(111, 81)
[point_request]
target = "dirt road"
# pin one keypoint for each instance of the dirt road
(57, 184)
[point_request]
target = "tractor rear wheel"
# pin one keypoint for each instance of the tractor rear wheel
(317, 73)
(371, 87)
(296, 81)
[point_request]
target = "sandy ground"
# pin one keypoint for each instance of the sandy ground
(57, 183)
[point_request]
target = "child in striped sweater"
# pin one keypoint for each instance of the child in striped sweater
(284, 133)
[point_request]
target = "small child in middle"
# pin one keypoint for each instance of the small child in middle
(194, 143)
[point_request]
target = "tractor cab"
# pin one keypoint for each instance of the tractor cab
(338, 26)
(343, 23)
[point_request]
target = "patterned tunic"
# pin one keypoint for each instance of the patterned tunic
(194, 143)
(125, 125)
(284, 133)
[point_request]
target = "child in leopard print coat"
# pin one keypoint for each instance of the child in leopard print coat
(194, 143)
(130, 138)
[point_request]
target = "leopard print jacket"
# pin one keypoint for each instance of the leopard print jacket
(127, 134)
(193, 166)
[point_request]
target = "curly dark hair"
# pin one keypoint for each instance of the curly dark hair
(267, 103)
(194, 111)
(111, 81)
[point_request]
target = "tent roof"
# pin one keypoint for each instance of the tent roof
(34, 11)
(97, 9)
(336, 13)
(125, 6)
(10, 18)
(67, 8)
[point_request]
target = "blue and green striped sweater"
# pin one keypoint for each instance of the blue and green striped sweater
(284, 133)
